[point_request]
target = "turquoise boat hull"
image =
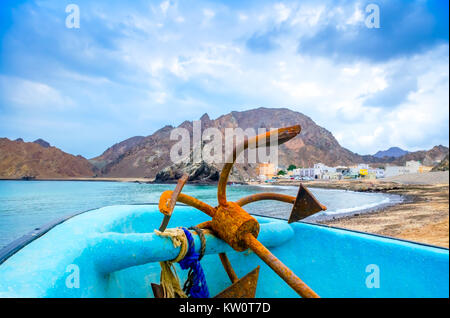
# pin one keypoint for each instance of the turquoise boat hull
(113, 252)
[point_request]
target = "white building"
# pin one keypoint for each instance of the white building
(317, 172)
(321, 171)
(410, 167)
(306, 172)
(379, 173)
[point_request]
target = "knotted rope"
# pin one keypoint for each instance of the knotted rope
(195, 285)
(169, 280)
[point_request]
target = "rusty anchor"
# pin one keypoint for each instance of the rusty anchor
(238, 228)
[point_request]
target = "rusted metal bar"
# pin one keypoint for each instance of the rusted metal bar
(283, 135)
(228, 268)
(167, 202)
(169, 198)
(158, 291)
(187, 199)
(265, 196)
(282, 270)
(205, 225)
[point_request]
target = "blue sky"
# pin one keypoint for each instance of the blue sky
(135, 66)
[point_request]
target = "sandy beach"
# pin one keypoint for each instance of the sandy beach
(422, 217)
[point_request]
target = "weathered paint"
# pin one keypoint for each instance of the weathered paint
(331, 261)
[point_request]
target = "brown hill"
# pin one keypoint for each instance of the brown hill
(144, 159)
(113, 153)
(442, 166)
(426, 157)
(20, 159)
(150, 155)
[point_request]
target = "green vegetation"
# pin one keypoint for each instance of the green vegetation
(281, 173)
(291, 167)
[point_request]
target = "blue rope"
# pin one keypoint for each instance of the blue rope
(198, 289)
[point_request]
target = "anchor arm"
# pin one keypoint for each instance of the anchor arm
(167, 202)
(186, 199)
(265, 196)
(305, 204)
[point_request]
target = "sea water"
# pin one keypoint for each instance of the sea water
(26, 205)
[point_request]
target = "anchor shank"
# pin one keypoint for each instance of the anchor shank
(228, 268)
(278, 267)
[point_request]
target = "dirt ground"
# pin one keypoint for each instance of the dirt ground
(423, 217)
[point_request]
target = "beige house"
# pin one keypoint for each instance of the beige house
(266, 171)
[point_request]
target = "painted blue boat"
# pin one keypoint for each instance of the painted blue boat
(114, 252)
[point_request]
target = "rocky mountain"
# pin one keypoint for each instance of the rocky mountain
(42, 142)
(391, 152)
(426, 157)
(150, 155)
(144, 159)
(202, 171)
(113, 153)
(442, 166)
(20, 159)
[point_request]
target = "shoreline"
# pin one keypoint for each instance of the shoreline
(88, 179)
(422, 216)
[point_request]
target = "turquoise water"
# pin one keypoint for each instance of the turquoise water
(25, 205)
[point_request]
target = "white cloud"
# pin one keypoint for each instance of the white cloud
(30, 94)
(164, 7)
(243, 17)
(164, 63)
(282, 12)
(209, 14)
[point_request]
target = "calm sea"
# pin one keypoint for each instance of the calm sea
(25, 205)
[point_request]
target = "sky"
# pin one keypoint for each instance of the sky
(133, 67)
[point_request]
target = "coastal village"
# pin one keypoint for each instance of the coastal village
(267, 172)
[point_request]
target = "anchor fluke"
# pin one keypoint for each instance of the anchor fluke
(243, 288)
(305, 205)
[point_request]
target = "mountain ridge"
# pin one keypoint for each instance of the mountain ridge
(395, 152)
(314, 144)
(148, 156)
(19, 159)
